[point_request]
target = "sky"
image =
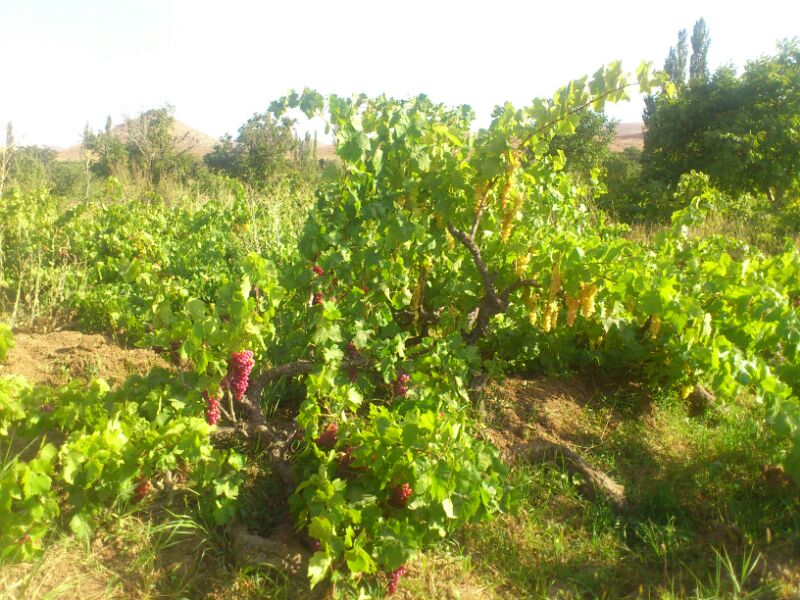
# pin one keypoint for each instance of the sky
(66, 63)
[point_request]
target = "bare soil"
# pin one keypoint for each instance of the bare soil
(545, 408)
(59, 357)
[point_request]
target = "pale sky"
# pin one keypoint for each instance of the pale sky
(68, 62)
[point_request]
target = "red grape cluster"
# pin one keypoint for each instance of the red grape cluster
(318, 270)
(46, 408)
(212, 408)
(239, 367)
(327, 439)
(319, 298)
(401, 494)
(401, 385)
(395, 579)
(142, 488)
(352, 351)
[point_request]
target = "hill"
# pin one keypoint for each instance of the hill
(193, 141)
(199, 144)
(629, 135)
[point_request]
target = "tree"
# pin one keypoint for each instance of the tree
(742, 131)
(698, 64)
(153, 149)
(265, 151)
(106, 149)
(146, 146)
(589, 146)
(675, 64)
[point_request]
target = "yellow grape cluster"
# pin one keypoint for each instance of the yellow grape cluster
(508, 218)
(550, 315)
(587, 296)
(655, 325)
(555, 280)
(513, 162)
(585, 301)
(573, 303)
(506, 186)
(521, 265)
(480, 197)
(531, 300)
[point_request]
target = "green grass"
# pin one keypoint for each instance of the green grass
(706, 520)
(710, 517)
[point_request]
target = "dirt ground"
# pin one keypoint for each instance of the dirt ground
(546, 408)
(58, 357)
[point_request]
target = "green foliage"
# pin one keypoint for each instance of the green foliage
(265, 151)
(698, 63)
(437, 254)
(6, 341)
(675, 64)
(146, 146)
(28, 504)
(109, 442)
(588, 148)
(732, 128)
(382, 242)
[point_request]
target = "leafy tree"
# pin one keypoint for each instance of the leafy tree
(107, 149)
(265, 151)
(588, 147)
(675, 64)
(740, 130)
(152, 147)
(146, 146)
(698, 64)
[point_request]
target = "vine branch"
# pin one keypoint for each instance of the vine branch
(491, 304)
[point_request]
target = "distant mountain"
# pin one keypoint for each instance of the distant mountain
(195, 142)
(629, 135)
(199, 144)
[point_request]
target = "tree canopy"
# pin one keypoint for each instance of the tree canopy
(742, 130)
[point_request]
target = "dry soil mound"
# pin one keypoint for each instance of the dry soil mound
(58, 357)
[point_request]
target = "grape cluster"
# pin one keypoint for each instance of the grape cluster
(587, 297)
(212, 408)
(655, 326)
(401, 385)
(550, 315)
(327, 439)
(143, 487)
(555, 280)
(352, 351)
(239, 367)
(319, 298)
(395, 578)
(531, 301)
(573, 303)
(318, 270)
(46, 408)
(521, 265)
(401, 494)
